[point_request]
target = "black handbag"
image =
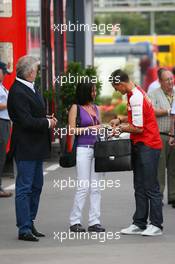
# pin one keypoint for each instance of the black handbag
(68, 159)
(113, 155)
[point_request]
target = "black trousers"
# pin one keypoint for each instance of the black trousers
(147, 192)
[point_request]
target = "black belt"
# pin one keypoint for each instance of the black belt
(6, 120)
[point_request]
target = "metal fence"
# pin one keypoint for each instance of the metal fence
(131, 3)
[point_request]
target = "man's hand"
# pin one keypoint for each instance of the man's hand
(53, 121)
(162, 112)
(114, 122)
(171, 141)
(114, 132)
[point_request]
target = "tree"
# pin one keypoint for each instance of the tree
(139, 23)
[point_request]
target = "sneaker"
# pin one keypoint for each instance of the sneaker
(5, 194)
(152, 230)
(132, 230)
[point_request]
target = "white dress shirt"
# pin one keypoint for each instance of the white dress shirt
(31, 86)
(28, 84)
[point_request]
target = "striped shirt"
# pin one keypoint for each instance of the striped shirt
(160, 100)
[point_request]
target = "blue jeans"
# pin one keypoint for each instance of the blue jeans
(29, 184)
(147, 192)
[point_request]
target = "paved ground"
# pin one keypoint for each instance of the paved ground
(117, 210)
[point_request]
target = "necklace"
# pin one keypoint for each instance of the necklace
(92, 113)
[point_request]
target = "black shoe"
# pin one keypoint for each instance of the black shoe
(36, 233)
(96, 228)
(28, 237)
(173, 204)
(77, 228)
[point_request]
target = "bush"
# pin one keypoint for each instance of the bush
(121, 109)
(67, 89)
(117, 95)
(105, 100)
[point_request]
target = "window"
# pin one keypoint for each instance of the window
(5, 8)
(6, 54)
(164, 48)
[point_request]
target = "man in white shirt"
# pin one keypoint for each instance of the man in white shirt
(4, 126)
(162, 99)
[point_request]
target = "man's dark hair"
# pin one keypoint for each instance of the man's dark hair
(119, 76)
(160, 71)
(83, 93)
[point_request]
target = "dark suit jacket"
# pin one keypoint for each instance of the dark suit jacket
(30, 135)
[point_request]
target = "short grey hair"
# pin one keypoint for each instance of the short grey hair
(25, 65)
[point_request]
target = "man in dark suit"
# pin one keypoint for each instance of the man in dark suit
(30, 144)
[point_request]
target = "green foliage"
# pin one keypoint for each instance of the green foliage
(48, 94)
(67, 89)
(139, 23)
(38, 80)
(121, 109)
(130, 23)
(117, 95)
(164, 22)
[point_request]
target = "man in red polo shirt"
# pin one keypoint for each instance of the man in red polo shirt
(146, 142)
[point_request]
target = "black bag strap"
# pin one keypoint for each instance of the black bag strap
(78, 118)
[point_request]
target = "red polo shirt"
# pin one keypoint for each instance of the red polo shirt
(141, 114)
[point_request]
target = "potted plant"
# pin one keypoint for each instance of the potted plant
(67, 89)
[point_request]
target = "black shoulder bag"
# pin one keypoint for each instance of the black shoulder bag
(68, 159)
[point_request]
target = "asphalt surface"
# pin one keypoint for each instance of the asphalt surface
(53, 219)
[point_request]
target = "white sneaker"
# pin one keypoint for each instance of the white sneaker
(132, 230)
(152, 230)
